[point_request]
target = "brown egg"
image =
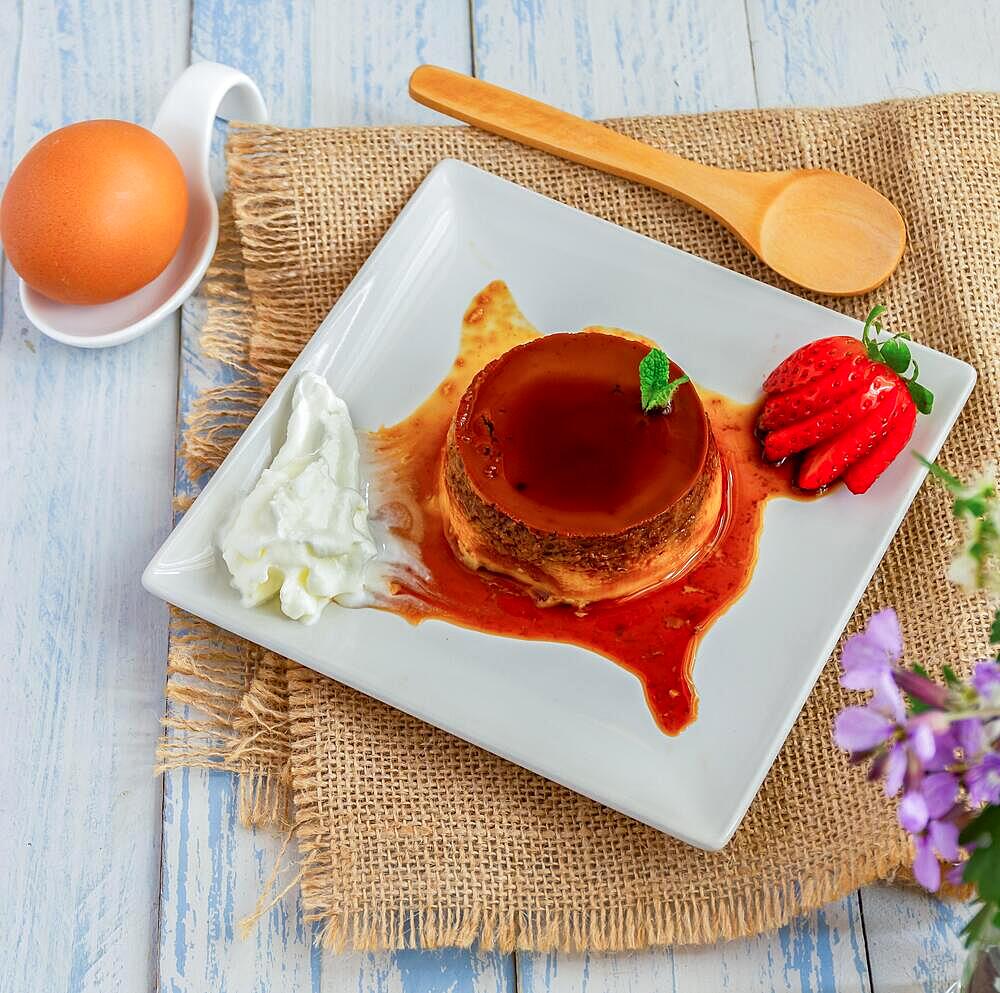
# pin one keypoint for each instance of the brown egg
(94, 211)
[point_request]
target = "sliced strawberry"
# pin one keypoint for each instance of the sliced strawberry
(850, 375)
(812, 361)
(831, 459)
(831, 421)
(862, 474)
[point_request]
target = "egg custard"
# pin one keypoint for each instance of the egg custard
(555, 475)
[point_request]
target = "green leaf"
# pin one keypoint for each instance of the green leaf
(983, 866)
(655, 384)
(871, 332)
(922, 397)
(896, 355)
(952, 482)
(977, 925)
(914, 705)
(995, 629)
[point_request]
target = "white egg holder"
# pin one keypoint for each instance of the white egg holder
(184, 121)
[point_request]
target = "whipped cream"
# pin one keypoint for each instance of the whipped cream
(303, 531)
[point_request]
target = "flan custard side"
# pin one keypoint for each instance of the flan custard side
(552, 473)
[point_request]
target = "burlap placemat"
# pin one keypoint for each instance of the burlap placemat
(409, 836)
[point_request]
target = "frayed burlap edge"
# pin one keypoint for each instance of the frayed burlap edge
(633, 928)
(227, 698)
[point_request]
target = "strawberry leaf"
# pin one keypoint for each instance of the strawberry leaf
(896, 355)
(873, 327)
(922, 397)
(655, 384)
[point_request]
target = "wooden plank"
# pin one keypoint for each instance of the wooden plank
(606, 60)
(88, 451)
(823, 951)
(811, 52)
(214, 871)
(317, 63)
(635, 59)
(329, 62)
(913, 939)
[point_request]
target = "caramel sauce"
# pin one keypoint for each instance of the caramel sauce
(556, 436)
(654, 634)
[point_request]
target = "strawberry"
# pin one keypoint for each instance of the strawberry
(830, 421)
(846, 377)
(845, 405)
(831, 459)
(862, 474)
(811, 361)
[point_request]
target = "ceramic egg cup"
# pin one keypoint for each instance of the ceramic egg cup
(184, 121)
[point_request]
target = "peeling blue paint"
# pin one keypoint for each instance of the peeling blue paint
(183, 861)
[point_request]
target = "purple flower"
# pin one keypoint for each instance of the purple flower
(955, 874)
(888, 700)
(969, 736)
(869, 655)
(920, 736)
(945, 744)
(926, 868)
(913, 814)
(895, 769)
(944, 837)
(985, 679)
(921, 688)
(859, 729)
(940, 791)
(940, 839)
(983, 780)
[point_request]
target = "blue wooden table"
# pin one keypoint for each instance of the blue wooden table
(114, 880)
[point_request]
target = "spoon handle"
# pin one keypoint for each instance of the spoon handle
(735, 199)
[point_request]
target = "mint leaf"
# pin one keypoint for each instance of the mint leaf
(655, 383)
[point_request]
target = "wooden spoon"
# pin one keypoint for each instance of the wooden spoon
(821, 229)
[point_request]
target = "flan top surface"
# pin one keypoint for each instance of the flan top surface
(553, 434)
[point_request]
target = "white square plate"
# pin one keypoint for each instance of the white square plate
(557, 709)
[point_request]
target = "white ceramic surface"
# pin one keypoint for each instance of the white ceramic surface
(565, 713)
(184, 121)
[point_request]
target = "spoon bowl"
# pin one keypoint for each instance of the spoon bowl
(184, 121)
(825, 231)
(816, 212)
